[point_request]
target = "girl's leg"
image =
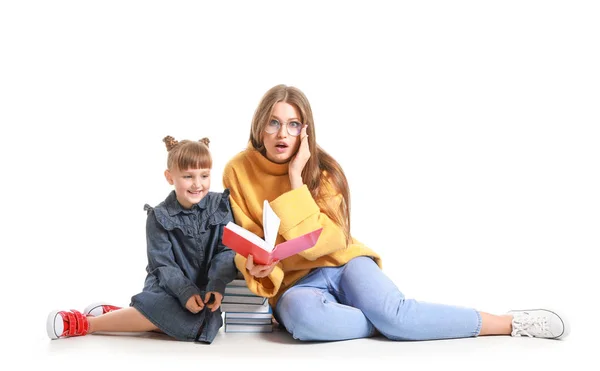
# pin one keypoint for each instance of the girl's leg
(309, 312)
(67, 323)
(122, 320)
(363, 285)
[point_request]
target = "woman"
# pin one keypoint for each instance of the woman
(335, 290)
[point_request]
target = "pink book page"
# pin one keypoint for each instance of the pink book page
(296, 245)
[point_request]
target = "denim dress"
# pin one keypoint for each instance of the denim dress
(186, 257)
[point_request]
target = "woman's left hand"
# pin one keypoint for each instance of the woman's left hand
(299, 160)
(258, 270)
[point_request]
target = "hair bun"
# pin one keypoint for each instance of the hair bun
(205, 140)
(170, 142)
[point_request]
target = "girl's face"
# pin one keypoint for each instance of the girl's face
(190, 185)
(281, 135)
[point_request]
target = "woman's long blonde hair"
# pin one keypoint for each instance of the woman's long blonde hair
(320, 162)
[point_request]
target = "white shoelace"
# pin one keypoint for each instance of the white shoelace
(528, 325)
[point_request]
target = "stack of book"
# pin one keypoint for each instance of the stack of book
(245, 311)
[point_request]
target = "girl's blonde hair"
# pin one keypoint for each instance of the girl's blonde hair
(188, 154)
(321, 171)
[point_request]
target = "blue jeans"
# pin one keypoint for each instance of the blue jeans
(358, 300)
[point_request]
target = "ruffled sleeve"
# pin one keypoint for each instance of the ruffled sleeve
(162, 216)
(218, 211)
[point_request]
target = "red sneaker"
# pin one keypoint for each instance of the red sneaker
(97, 309)
(62, 324)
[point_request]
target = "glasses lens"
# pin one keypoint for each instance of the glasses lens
(272, 127)
(294, 128)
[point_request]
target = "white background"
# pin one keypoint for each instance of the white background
(468, 131)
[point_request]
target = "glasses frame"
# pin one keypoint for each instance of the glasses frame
(287, 124)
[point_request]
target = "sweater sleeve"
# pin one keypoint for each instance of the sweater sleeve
(300, 214)
(266, 286)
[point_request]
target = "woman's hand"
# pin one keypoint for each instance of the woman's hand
(299, 160)
(259, 271)
(216, 303)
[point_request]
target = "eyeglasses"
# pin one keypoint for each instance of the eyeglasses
(294, 128)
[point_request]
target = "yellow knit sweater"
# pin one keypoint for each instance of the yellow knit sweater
(252, 178)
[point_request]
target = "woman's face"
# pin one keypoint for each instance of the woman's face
(281, 136)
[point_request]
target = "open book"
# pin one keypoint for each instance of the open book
(264, 250)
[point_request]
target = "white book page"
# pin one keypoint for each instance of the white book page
(271, 226)
(248, 235)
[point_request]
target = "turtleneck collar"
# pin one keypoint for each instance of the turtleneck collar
(264, 164)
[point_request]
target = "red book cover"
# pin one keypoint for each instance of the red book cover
(245, 242)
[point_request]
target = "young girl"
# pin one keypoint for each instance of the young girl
(335, 290)
(188, 267)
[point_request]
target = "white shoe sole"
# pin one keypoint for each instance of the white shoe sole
(51, 325)
(566, 326)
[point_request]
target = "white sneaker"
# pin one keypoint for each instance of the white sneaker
(539, 323)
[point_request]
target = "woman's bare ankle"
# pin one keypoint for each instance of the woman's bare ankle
(492, 324)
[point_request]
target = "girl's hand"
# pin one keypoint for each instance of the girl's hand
(216, 303)
(259, 271)
(300, 159)
(194, 304)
